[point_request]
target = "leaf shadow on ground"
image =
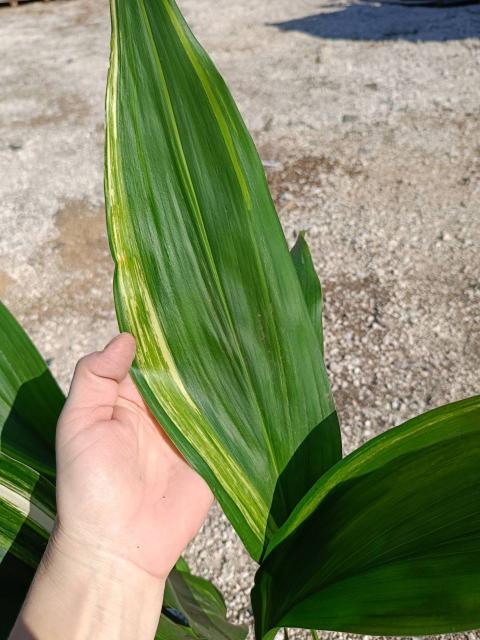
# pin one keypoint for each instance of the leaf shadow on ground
(380, 21)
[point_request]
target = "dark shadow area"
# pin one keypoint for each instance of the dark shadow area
(15, 579)
(28, 433)
(318, 452)
(390, 21)
(22, 632)
(7, 5)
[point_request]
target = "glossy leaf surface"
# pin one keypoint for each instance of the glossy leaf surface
(388, 541)
(197, 605)
(30, 399)
(227, 356)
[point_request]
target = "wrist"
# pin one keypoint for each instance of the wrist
(94, 554)
(81, 591)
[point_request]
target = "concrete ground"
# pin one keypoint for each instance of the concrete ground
(366, 117)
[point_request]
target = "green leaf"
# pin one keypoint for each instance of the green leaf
(310, 284)
(27, 512)
(169, 630)
(198, 604)
(227, 357)
(388, 541)
(30, 399)
(182, 565)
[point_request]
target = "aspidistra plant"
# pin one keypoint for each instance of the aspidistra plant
(230, 360)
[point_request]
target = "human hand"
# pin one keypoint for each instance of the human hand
(127, 505)
(121, 485)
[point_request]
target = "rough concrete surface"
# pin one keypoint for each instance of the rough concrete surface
(367, 120)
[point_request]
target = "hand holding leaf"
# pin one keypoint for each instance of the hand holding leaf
(122, 485)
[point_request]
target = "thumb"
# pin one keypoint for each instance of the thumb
(97, 376)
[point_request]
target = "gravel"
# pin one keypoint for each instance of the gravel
(369, 134)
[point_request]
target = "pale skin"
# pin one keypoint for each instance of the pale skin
(127, 505)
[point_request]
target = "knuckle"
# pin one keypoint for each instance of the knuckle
(85, 364)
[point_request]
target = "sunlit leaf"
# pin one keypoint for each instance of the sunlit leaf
(227, 356)
(310, 284)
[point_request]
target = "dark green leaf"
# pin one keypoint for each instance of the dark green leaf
(182, 565)
(388, 541)
(30, 399)
(27, 512)
(200, 606)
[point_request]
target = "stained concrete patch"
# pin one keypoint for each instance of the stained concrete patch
(304, 176)
(69, 106)
(78, 263)
(82, 239)
(5, 282)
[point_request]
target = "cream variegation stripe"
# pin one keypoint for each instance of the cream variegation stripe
(155, 357)
(192, 198)
(23, 503)
(227, 137)
(181, 408)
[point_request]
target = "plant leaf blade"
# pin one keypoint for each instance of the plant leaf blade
(200, 606)
(27, 512)
(388, 541)
(310, 284)
(30, 399)
(227, 357)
